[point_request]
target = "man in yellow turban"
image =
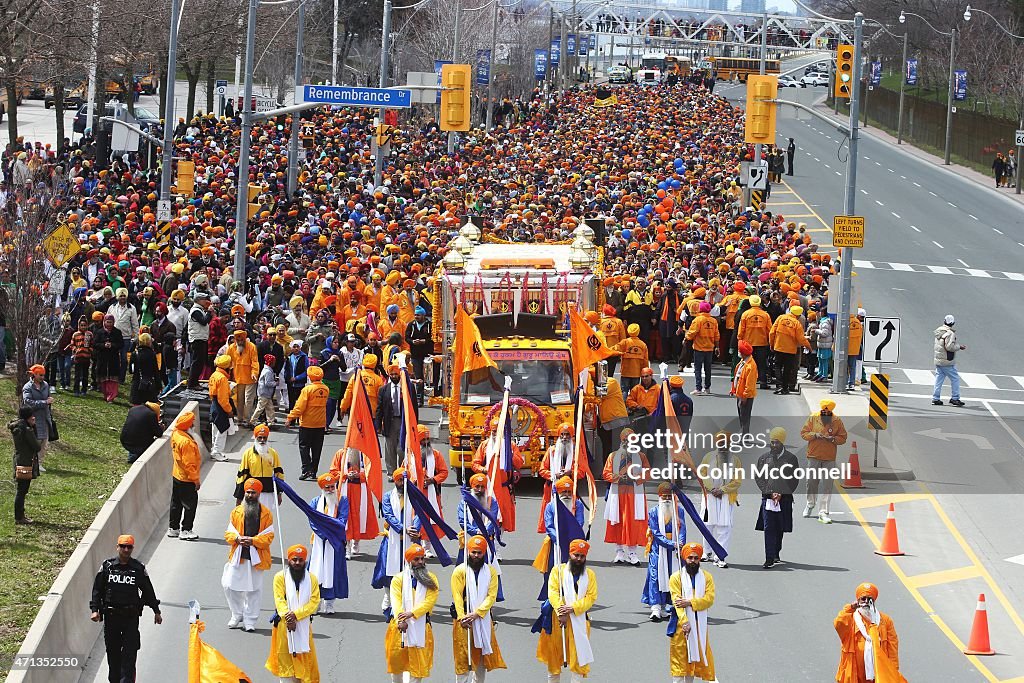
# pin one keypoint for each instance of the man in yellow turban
(296, 598)
(693, 594)
(823, 432)
(474, 591)
(870, 647)
(220, 405)
(777, 482)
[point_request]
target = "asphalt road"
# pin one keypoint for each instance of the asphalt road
(770, 626)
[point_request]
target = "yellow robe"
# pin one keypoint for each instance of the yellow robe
(281, 662)
(678, 650)
(459, 635)
(416, 660)
(549, 650)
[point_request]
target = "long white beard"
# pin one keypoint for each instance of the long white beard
(563, 449)
(870, 614)
(332, 500)
(493, 444)
(262, 449)
(666, 507)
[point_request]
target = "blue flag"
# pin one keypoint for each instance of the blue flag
(569, 528)
(426, 513)
(327, 528)
(691, 510)
(479, 512)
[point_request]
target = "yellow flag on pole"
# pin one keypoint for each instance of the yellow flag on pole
(587, 347)
(206, 664)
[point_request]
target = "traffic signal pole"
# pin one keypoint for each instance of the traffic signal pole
(242, 182)
(385, 43)
(293, 140)
(757, 147)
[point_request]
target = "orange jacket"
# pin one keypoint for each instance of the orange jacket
(639, 397)
(856, 334)
(703, 332)
(386, 327)
(261, 543)
(347, 314)
(822, 449)
(372, 381)
(744, 381)
(613, 329)
(611, 406)
(220, 390)
(754, 327)
(245, 363)
(787, 334)
(634, 356)
(311, 406)
(731, 303)
(187, 458)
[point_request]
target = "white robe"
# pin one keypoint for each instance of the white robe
(611, 508)
(321, 553)
(584, 653)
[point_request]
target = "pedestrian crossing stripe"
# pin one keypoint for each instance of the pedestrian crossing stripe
(878, 402)
(939, 270)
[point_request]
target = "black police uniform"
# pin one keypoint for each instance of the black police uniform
(119, 593)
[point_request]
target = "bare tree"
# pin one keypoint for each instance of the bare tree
(19, 34)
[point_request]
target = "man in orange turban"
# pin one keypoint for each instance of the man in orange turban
(350, 466)
(403, 529)
(311, 411)
(474, 591)
(435, 472)
(478, 488)
(249, 535)
(260, 462)
(488, 449)
(296, 599)
(572, 592)
(326, 564)
(693, 594)
(870, 647)
(409, 640)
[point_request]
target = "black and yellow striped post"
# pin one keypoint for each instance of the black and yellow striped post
(878, 406)
(757, 199)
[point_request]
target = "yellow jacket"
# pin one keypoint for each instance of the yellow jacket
(856, 334)
(675, 587)
(372, 381)
(703, 332)
(311, 406)
(787, 334)
(245, 363)
(754, 327)
(613, 329)
(612, 406)
(459, 591)
(634, 356)
(187, 458)
(220, 390)
(281, 601)
(260, 543)
(418, 610)
(646, 398)
(583, 602)
(731, 487)
(731, 304)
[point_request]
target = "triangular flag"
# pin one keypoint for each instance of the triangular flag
(408, 439)
(206, 664)
(468, 355)
(587, 347)
(362, 436)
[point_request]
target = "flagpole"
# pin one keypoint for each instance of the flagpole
(284, 560)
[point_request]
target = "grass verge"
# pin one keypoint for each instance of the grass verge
(83, 468)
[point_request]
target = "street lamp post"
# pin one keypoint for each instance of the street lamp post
(172, 63)
(949, 94)
(293, 140)
(385, 43)
(903, 85)
(242, 207)
(489, 121)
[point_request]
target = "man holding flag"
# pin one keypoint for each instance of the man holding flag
(490, 459)
(559, 461)
(296, 597)
(327, 565)
(474, 592)
(434, 471)
(478, 489)
(666, 532)
(625, 509)
(572, 592)
(249, 534)
(563, 522)
(399, 520)
(409, 641)
(693, 594)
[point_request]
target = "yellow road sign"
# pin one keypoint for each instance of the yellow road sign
(757, 199)
(848, 231)
(61, 245)
(878, 402)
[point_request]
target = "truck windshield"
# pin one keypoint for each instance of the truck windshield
(543, 377)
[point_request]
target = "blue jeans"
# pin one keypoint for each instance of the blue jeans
(941, 373)
(702, 369)
(824, 360)
(851, 369)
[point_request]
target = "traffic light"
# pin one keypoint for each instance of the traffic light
(384, 134)
(844, 71)
(186, 178)
(307, 136)
(455, 110)
(760, 122)
(254, 200)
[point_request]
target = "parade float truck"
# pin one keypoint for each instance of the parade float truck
(518, 295)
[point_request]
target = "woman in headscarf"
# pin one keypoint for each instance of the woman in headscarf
(107, 346)
(332, 363)
(145, 373)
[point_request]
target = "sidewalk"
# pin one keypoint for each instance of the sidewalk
(984, 181)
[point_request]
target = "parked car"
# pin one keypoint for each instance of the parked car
(619, 74)
(145, 117)
(790, 82)
(74, 96)
(814, 79)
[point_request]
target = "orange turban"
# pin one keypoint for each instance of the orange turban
(297, 551)
(185, 421)
(261, 430)
(579, 546)
(478, 478)
(37, 370)
(868, 589)
(315, 373)
(253, 484)
(476, 543)
(398, 474)
(690, 549)
(414, 551)
(327, 478)
(126, 539)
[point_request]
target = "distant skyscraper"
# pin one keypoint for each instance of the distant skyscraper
(752, 6)
(718, 4)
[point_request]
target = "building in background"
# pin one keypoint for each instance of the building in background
(752, 6)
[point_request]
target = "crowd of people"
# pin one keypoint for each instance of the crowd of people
(338, 284)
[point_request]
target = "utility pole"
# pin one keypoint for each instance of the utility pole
(903, 86)
(94, 42)
(385, 42)
(455, 60)
(334, 47)
(757, 147)
(949, 98)
(841, 373)
(242, 208)
(489, 121)
(563, 58)
(168, 147)
(549, 76)
(293, 140)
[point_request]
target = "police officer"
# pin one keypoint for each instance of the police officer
(119, 592)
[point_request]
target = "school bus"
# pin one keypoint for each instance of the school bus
(726, 68)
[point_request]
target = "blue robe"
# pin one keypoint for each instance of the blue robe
(651, 595)
(393, 521)
(549, 525)
(465, 517)
(340, 588)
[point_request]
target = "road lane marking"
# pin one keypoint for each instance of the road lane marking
(884, 499)
(895, 214)
(903, 177)
(977, 272)
(932, 193)
(916, 184)
(937, 578)
(963, 262)
(977, 380)
(951, 204)
(1014, 276)
(1016, 559)
(916, 228)
(942, 247)
(922, 377)
(837, 173)
(976, 218)
(903, 267)
(865, 192)
(942, 270)
(999, 231)
(879, 203)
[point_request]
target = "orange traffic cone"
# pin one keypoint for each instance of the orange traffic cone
(853, 481)
(890, 539)
(979, 643)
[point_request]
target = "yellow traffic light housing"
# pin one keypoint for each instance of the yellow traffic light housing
(254, 200)
(759, 127)
(844, 71)
(455, 107)
(186, 178)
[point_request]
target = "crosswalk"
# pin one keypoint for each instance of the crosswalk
(938, 270)
(969, 380)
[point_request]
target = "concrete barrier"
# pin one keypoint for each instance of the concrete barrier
(138, 504)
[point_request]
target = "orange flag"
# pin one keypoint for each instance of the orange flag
(408, 433)
(206, 664)
(468, 355)
(587, 347)
(362, 436)
(675, 434)
(580, 461)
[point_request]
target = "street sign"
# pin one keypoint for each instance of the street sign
(878, 402)
(163, 210)
(1018, 138)
(221, 87)
(848, 231)
(61, 245)
(354, 97)
(757, 176)
(882, 340)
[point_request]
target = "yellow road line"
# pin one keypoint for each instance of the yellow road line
(907, 581)
(800, 215)
(800, 203)
(943, 576)
(875, 501)
(813, 212)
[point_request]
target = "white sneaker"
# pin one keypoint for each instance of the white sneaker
(172, 533)
(329, 606)
(708, 557)
(620, 556)
(355, 547)
(249, 628)
(721, 564)
(655, 614)
(188, 535)
(808, 510)
(220, 457)
(234, 622)
(348, 553)
(824, 518)
(633, 559)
